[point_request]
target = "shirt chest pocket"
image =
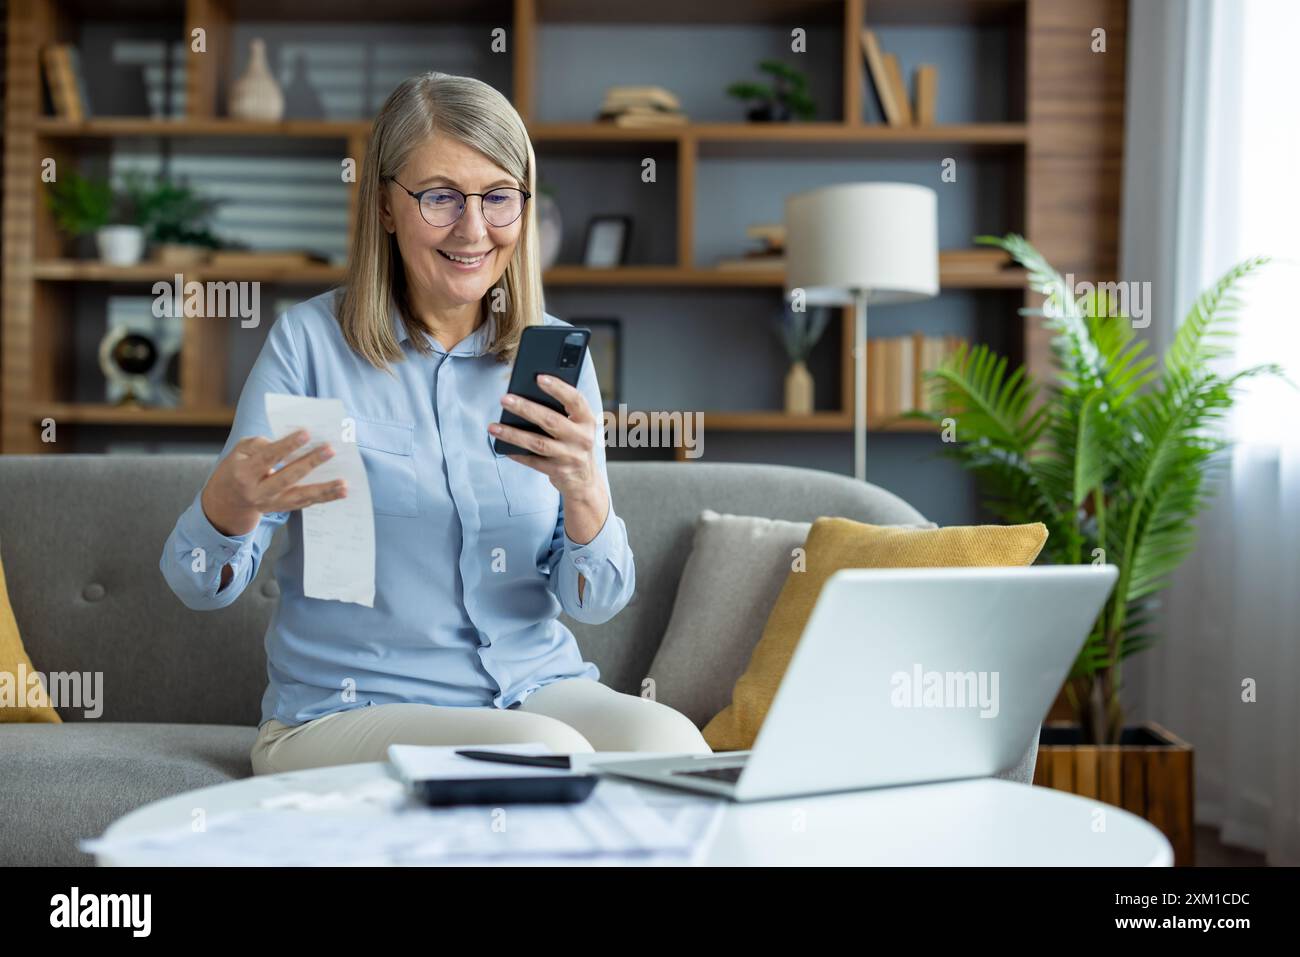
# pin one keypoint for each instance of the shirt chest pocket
(526, 490)
(388, 452)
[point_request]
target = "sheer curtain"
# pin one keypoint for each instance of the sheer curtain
(1231, 624)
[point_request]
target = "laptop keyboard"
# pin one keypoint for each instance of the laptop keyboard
(730, 774)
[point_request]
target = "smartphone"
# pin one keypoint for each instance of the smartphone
(556, 351)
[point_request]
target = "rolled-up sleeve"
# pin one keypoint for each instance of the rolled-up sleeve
(195, 552)
(606, 561)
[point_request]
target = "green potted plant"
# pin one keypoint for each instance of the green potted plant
(176, 219)
(92, 206)
(787, 97)
(1116, 461)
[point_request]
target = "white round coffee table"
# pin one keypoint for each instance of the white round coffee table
(979, 822)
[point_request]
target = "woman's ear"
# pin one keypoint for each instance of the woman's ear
(386, 210)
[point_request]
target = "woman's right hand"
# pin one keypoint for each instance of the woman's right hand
(245, 484)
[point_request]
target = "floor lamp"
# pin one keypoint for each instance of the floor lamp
(860, 243)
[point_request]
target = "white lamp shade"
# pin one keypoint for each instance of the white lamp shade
(877, 238)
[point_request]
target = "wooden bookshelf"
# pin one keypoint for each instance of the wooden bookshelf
(1061, 146)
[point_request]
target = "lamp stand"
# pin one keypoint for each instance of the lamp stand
(860, 385)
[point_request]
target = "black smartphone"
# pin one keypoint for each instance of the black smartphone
(556, 351)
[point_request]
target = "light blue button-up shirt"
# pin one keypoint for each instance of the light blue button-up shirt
(472, 562)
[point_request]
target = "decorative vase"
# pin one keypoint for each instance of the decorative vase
(256, 95)
(120, 245)
(550, 227)
(798, 390)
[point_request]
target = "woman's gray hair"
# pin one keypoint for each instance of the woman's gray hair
(476, 114)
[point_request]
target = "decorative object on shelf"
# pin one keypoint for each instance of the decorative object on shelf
(606, 350)
(233, 260)
(1116, 456)
(175, 218)
(886, 81)
(640, 106)
(959, 264)
(785, 99)
(927, 90)
(607, 241)
(67, 84)
(800, 331)
(139, 355)
(256, 95)
(858, 243)
(85, 205)
(550, 227)
(770, 253)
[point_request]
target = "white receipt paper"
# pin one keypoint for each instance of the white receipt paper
(338, 537)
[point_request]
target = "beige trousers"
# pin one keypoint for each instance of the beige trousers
(576, 714)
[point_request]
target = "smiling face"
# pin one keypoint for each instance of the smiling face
(433, 277)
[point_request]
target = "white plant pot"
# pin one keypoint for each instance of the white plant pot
(120, 245)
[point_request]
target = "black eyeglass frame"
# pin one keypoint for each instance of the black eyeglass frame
(419, 202)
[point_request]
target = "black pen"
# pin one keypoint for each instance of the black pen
(537, 760)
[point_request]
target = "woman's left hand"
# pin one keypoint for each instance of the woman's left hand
(566, 453)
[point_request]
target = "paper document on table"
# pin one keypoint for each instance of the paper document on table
(422, 762)
(617, 825)
(338, 537)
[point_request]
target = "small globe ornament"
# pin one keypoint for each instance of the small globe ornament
(134, 354)
(129, 360)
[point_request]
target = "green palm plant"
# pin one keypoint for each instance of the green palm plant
(1117, 460)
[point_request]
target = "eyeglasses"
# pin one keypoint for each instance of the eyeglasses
(442, 205)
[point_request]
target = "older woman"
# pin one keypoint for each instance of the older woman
(476, 553)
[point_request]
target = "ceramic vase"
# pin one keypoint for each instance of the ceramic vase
(798, 390)
(256, 95)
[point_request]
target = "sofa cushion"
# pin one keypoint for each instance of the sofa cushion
(728, 586)
(836, 543)
(62, 783)
(20, 700)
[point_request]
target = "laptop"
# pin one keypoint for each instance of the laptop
(907, 676)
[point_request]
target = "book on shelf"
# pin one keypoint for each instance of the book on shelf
(882, 82)
(640, 106)
(655, 96)
(757, 261)
(68, 92)
(894, 71)
(269, 259)
(978, 259)
(896, 368)
(770, 253)
(636, 120)
(927, 89)
(771, 234)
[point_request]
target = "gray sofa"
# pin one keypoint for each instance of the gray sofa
(80, 536)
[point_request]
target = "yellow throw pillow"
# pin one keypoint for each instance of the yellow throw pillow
(835, 543)
(16, 671)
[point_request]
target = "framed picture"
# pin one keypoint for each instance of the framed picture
(606, 349)
(607, 238)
